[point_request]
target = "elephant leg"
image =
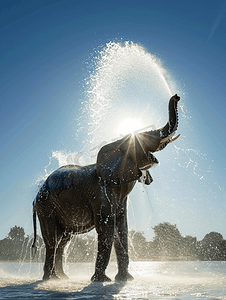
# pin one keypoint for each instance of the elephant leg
(59, 256)
(105, 232)
(52, 236)
(49, 271)
(121, 246)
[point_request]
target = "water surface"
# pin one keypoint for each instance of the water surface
(152, 280)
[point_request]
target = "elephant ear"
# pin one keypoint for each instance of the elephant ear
(115, 166)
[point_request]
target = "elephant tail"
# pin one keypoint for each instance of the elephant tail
(33, 247)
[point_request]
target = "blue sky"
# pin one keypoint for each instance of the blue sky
(45, 50)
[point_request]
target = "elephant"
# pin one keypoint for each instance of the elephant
(75, 199)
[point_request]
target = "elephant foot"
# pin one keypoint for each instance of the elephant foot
(50, 276)
(46, 277)
(100, 278)
(123, 276)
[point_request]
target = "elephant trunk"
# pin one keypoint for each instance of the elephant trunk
(172, 124)
(156, 140)
(166, 133)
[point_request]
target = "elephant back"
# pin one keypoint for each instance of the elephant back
(68, 176)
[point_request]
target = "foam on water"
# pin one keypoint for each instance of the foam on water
(152, 280)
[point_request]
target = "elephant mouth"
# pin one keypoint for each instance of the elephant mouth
(167, 140)
(152, 158)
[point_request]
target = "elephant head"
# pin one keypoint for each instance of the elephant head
(124, 160)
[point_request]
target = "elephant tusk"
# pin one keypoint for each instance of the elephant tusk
(174, 139)
(164, 139)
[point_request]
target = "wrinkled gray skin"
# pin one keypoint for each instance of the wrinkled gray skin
(76, 199)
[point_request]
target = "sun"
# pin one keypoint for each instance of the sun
(129, 126)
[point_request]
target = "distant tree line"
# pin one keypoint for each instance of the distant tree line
(167, 244)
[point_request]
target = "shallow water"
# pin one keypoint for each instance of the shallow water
(152, 280)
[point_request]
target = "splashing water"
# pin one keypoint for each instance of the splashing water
(63, 158)
(125, 83)
(153, 280)
(126, 88)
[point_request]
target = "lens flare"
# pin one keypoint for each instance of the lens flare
(129, 126)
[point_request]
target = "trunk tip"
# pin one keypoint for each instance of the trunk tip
(175, 97)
